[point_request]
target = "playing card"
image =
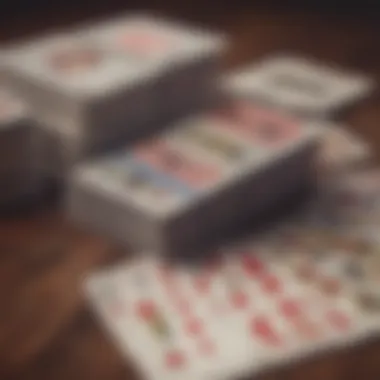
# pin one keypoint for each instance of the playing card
(178, 190)
(257, 304)
(163, 317)
(300, 85)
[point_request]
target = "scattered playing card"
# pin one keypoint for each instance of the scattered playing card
(300, 85)
(245, 311)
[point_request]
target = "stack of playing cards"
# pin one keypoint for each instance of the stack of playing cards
(191, 184)
(115, 82)
(20, 151)
(261, 304)
(302, 86)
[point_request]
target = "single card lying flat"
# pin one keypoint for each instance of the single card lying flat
(259, 304)
(300, 85)
(200, 178)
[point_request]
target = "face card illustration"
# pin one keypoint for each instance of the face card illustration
(264, 128)
(163, 157)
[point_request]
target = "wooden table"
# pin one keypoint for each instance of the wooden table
(46, 329)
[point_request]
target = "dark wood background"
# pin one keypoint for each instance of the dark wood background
(46, 329)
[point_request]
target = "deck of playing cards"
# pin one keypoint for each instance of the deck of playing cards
(20, 151)
(300, 85)
(114, 82)
(190, 185)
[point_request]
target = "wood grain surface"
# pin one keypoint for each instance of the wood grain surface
(46, 329)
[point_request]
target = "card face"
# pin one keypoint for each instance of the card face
(167, 329)
(301, 85)
(170, 160)
(245, 310)
(138, 321)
